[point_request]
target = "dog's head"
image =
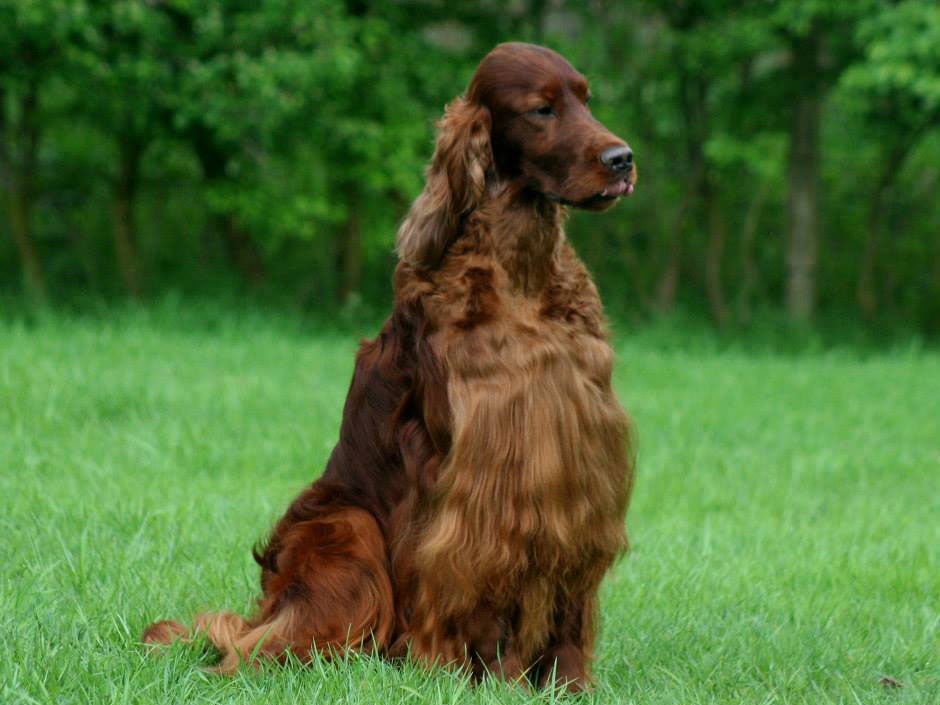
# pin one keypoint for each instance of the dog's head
(542, 131)
(524, 120)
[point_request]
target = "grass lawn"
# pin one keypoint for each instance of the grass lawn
(785, 524)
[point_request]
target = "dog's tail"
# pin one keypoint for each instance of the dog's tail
(332, 592)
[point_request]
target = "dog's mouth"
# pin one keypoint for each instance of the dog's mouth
(621, 188)
(611, 193)
(600, 200)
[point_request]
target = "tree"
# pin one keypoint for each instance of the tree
(896, 89)
(122, 61)
(34, 35)
(709, 40)
(786, 150)
(818, 36)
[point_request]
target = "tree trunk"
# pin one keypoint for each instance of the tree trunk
(866, 289)
(668, 285)
(125, 238)
(803, 243)
(866, 293)
(692, 93)
(242, 251)
(20, 178)
(748, 268)
(714, 254)
(350, 252)
(19, 205)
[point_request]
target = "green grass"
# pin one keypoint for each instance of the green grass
(785, 525)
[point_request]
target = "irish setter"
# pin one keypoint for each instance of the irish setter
(478, 491)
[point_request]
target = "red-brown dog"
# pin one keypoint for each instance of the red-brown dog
(477, 493)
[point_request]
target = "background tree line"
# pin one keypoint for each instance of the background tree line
(788, 150)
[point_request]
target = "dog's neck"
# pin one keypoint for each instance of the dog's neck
(525, 231)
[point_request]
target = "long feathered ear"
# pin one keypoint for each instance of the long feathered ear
(456, 180)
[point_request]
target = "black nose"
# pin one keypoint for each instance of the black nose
(617, 159)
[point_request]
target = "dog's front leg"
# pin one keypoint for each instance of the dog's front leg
(567, 660)
(490, 638)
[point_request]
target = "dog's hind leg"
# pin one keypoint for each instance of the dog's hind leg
(329, 591)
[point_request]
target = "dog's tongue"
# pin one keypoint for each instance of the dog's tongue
(618, 189)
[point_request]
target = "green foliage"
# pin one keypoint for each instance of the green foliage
(276, 144)
(899, 76)
(783, 524)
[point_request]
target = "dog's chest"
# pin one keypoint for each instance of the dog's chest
(538, 455)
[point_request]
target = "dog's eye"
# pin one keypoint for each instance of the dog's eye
(544, 111)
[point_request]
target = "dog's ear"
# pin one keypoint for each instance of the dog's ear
(456, 180)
